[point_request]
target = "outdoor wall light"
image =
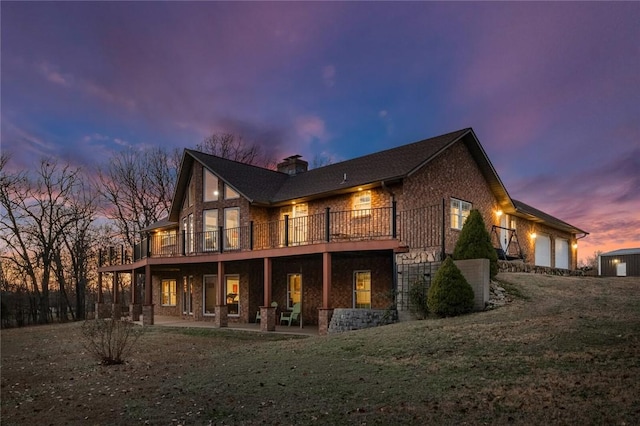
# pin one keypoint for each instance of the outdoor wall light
(575, 246)
(498, 213)
(360, 189)
(533, 235)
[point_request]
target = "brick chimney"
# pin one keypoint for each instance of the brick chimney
(293, 165)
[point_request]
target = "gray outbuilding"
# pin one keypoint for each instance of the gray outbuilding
(620, 263)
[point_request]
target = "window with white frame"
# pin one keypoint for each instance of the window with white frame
(362, 204)
(210, 229)
(187, 227)
(210, 186)
(168, 293)
(230, 193)
(232, 228)
(362, 289)
(232, 283)
(187, 295)
(459, 212)
(209, 284)
(294, 289)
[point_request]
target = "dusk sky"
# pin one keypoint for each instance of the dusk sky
(552, 90)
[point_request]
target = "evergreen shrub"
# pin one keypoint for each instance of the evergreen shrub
(450, 294)
(474, 242)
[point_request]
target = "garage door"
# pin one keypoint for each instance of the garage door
(562, 253)
(543, 250)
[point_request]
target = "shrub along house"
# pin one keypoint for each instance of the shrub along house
(240, 237)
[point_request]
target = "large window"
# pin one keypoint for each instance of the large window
(168, 293)
(459, 212)
(362, 204)
(294, 289)
(187, 295)
(362, 289)
(210, 186)
(210, 229)
(298, 221)
(209, 284)
(232, 228)
(190, 195)
(187, 227)
(230, 193)
(232, 283)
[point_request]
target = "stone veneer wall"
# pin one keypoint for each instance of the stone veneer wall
(519, 266)
(355, 319)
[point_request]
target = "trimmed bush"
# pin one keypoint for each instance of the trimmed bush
(450, 294)
(475, 242)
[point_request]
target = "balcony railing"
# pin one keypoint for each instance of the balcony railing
(417, 226)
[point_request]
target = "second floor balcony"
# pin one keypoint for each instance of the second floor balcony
(423, 227)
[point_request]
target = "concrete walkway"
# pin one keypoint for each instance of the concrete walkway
(169, 321)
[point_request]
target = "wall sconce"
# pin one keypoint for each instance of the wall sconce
(498, 213)
(615, 261)
(575, 246)
(533, 235)
(360, 189)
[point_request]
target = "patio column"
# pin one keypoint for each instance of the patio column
(102, 311)
(221, 310)
(267, 312)
(147, 309)
(135, 308)
(325, 313)
(115, 300)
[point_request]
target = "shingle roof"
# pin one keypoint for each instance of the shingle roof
(536, 215)
(385, 165)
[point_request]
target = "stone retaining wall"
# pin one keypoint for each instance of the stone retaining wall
(519, 266)
(355, 319)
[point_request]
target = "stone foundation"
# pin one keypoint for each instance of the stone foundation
(135, 310)
(267, 318)
(324, 320)
(356, 319)
(147, 315)
(520, 266)
(221, 319)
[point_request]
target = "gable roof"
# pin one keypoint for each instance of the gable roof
(271, 188)
(539, 216)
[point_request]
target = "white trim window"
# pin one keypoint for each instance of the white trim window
(187, 295)
(232, 284)
(459, 212)
(362, 204)
(294, 289)
(210, 229)
(168, 293)
(362, 289)
(209, 296)
(230, 193)
(210, 191)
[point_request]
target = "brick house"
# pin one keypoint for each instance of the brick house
(239, 237)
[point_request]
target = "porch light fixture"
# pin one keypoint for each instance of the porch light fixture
(575, 246)
(498, 213)
(533, 235)
(360, 189)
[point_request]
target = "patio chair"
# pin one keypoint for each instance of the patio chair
(273, 305)
(291, 316)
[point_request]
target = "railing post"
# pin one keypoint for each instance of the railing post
(442, 255)
(220, 239)
(327, 227)
(99, 257)
(394, 225)
(184, 242)
(122, 260)
(251, 235)
(148, 245)
(286, 230)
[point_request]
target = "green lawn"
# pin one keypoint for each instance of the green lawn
(566, 351)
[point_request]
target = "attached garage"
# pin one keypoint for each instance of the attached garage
(543, 250)
(562, 253)
(620, 263)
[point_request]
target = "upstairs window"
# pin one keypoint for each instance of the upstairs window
(362, 204)
(230, 193)
(210, 184)
(190, 194)
(459, 212)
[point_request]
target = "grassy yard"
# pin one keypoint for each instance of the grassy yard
(565, 351)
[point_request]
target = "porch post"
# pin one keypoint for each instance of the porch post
(326, 311)
(115, 300)
(267, 312)
(135, 308)
(147, 309)
(221, 309)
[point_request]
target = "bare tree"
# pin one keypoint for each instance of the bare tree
(227, 145)
(136, 189)
(36, 213)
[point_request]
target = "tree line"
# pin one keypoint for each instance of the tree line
(56, 217)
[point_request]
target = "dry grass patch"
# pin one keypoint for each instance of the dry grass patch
(566, 352)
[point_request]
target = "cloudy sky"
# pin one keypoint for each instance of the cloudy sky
(552, 90)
